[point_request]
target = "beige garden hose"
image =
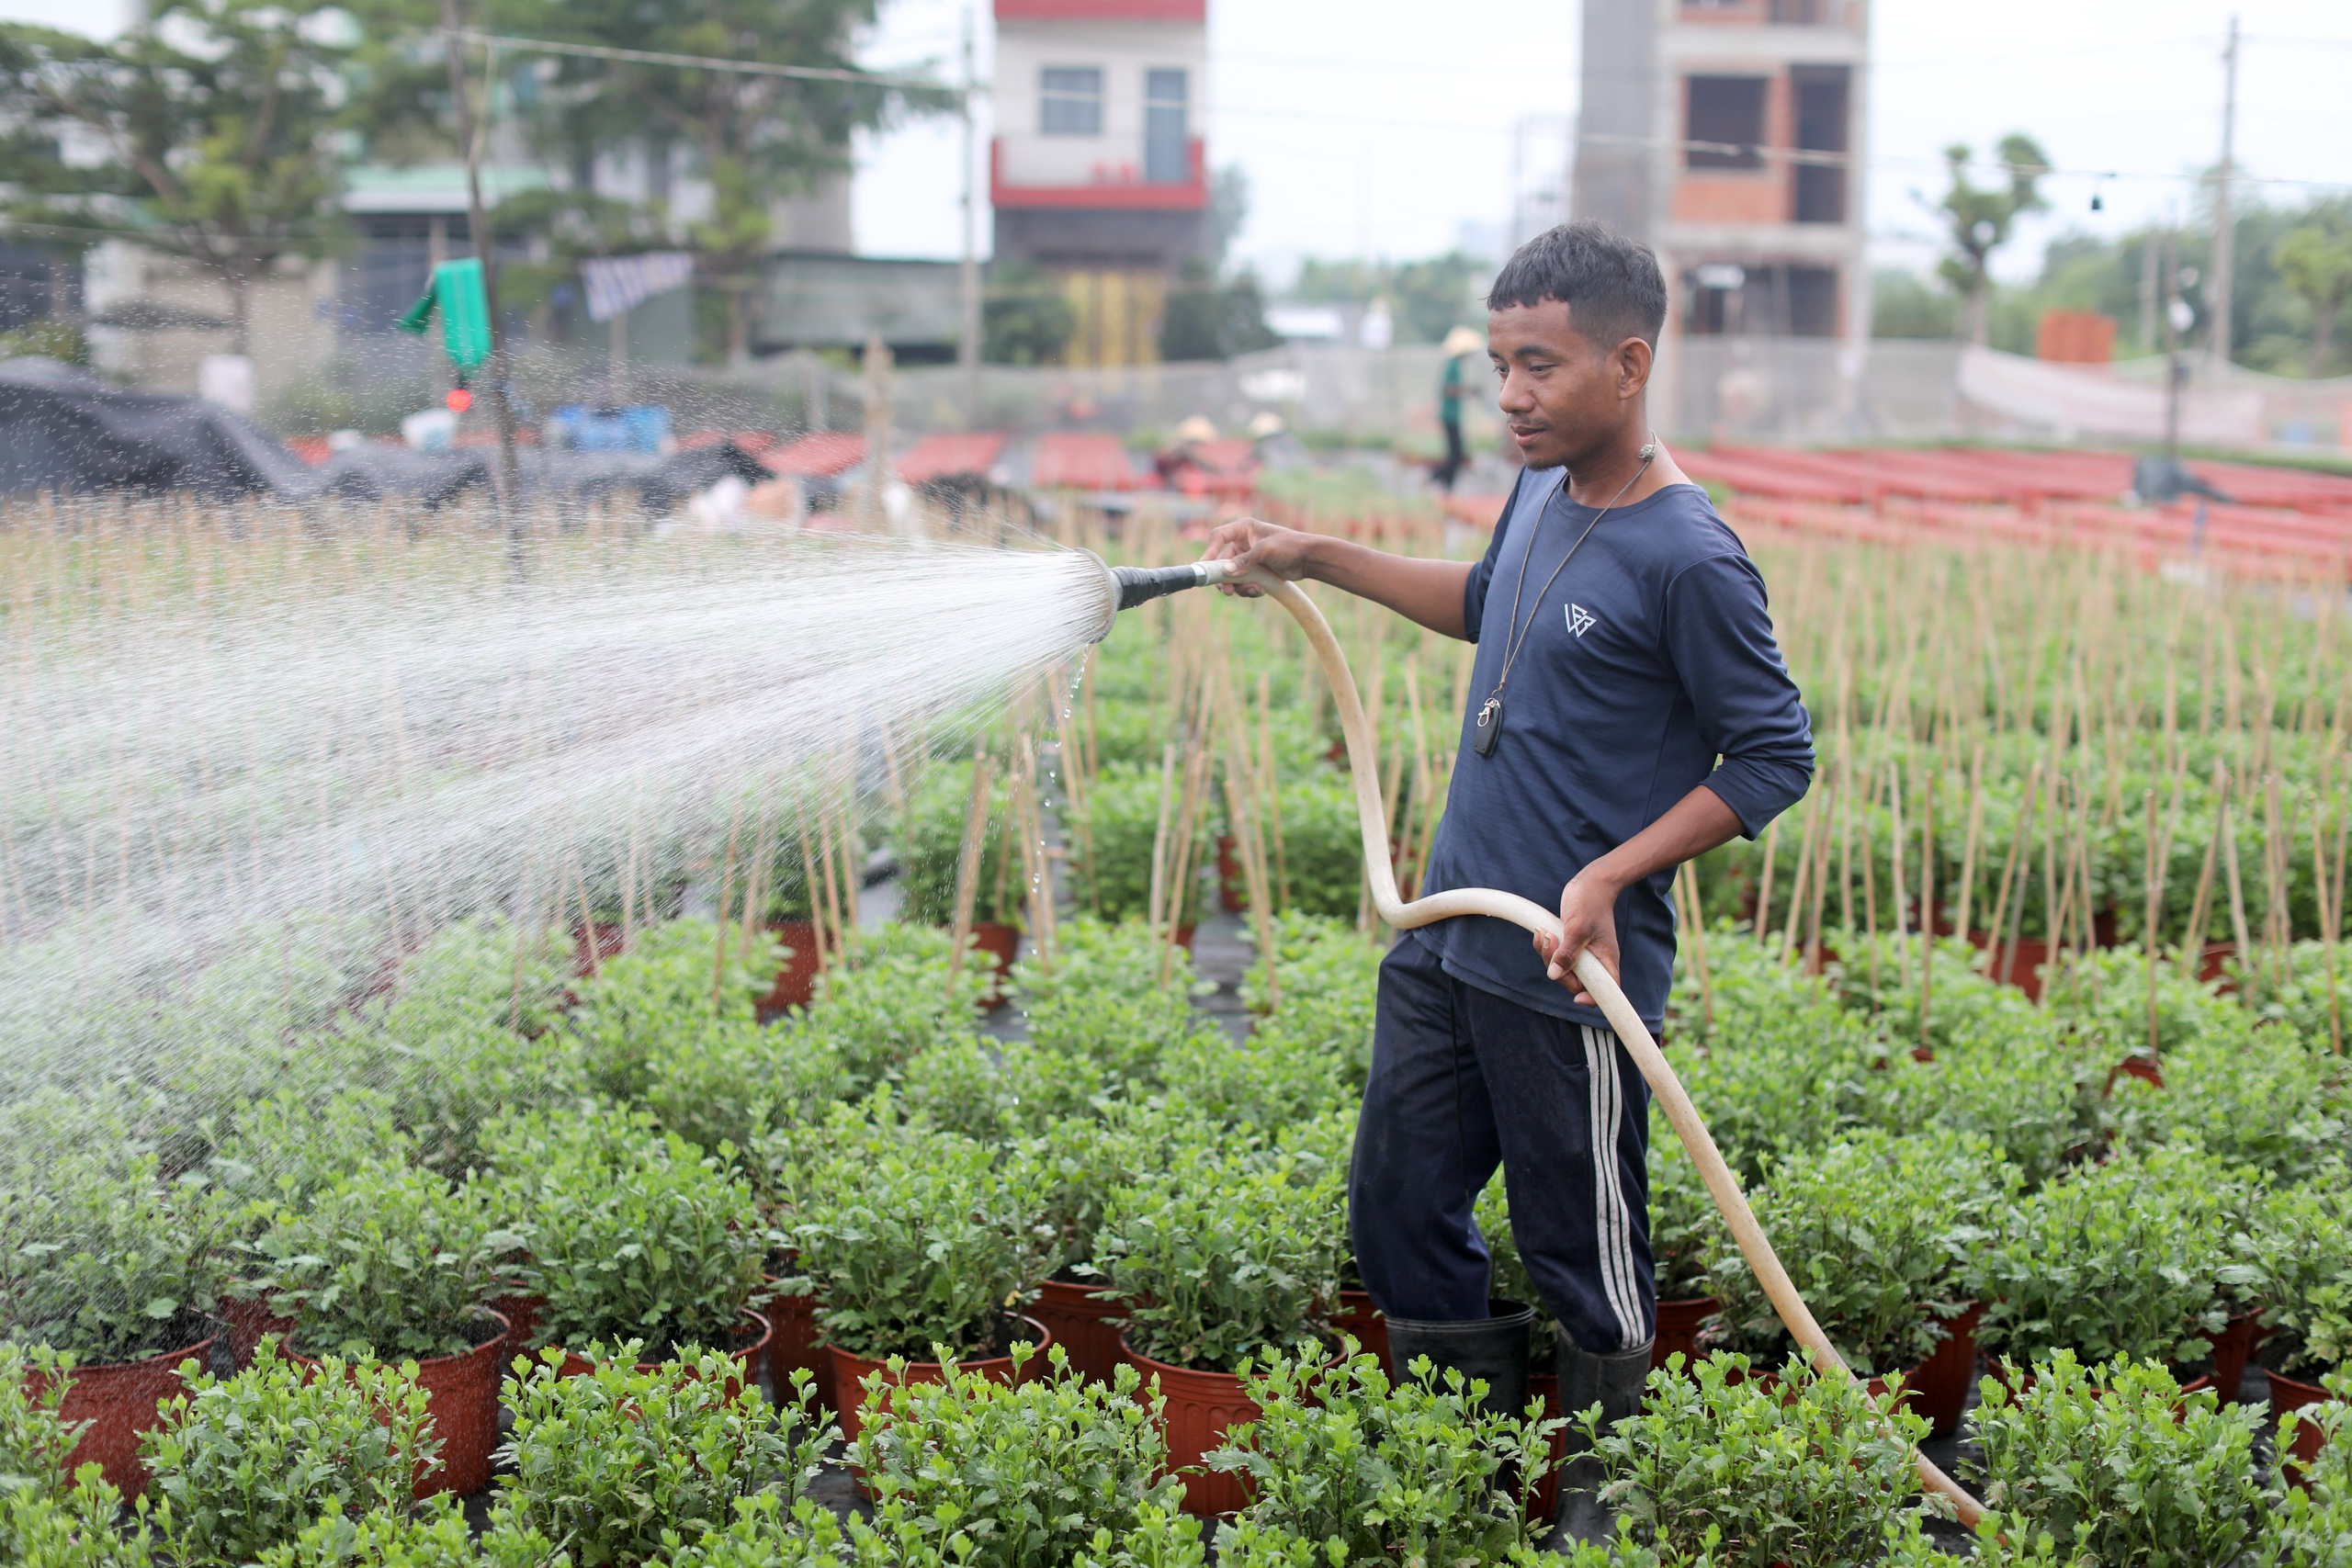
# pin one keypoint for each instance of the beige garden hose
(1526, 913)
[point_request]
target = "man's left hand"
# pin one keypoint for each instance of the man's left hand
(1587, 920)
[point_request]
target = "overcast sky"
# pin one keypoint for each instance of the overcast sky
(1380, 126)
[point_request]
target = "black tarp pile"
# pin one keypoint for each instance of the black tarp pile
(64, 430)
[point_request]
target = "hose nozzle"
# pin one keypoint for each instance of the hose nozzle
(1133, 585)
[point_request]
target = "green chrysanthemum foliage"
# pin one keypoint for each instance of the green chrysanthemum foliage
(680, 982)
(932, 846)
(918, 1239)
(1083, 1160)
(995, 1095)
(1721, 1467)
(239, 1465)
(2301, 1245)
(634, 1232)
(2129, 1258)
(1024, 1472)
(1877, 1232)
(2308, 1523)
(393, 1263)
(2035, 1097)
(104, 1257)
(1220, 1260)
(1394, 1471)
(616, 1468)
(2115, 1461)
(2248, 1094)
(892, 1003)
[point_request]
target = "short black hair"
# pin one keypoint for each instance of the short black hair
(1610, 285)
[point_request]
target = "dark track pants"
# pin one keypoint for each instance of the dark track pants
(1461, 1081)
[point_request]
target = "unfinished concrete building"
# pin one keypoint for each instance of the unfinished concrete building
(1720, 131)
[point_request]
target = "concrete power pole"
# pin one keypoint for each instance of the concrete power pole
(2224, 208)
(967, 337)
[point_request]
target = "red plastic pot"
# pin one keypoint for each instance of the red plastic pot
(462, 1398)
(1937, 1389)
(750, 1350)
(1677, 1328)
(1230, 881)
(2286, 1394)
(1084, 1323)
(1358, 1316)
(851, 1371)
(793, 1347)
(119, 1399)
(2231, 1349)
(999, 942)
(1546, 1498)
(1197, 1410)
(2025, 963)
(795, 982)
(522, 1315)
(248, 1324)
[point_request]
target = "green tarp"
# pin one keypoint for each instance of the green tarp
(457, 294)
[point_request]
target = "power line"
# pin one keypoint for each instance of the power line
(515, 45)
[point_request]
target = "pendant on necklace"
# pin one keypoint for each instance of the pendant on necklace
(1489, 727)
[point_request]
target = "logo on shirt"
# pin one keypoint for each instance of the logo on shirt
(1579, 619)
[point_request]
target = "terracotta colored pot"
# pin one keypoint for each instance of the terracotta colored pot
(1358, 1316)
(462, 1398)
(522, 1315)
(2025, 964)
(850, 1374)
(120, 1400)
(1937, 1389)
(1085, 1325)
(2209, 959)
(1199, 1408)
(589, 951)
(999, 942)
(248, 1324)
(2287, 1394)
(2147, 1071)
(795, 982)
(751, 1349)
(1230, 881)
(1677, 1328)
(793, 1347)
(1547, 1491)
(2231, 1349)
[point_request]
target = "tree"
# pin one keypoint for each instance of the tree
(754, 138)
(208, 131)
(1026, 319)
(1428, 297)
(2314, 260)
(1206, 318)
(1980, 220)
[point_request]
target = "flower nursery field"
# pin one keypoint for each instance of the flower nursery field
(702, 1221)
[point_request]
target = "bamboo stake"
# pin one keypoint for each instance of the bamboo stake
(1694, 920)
(1969, 847)
(1763, 922)
(1927, 906)
(2200, 907)
(967, 861)
(1154, 900)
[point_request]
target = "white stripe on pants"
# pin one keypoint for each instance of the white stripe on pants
(1612, 1229)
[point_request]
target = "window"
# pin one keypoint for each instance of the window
(1167, 150)
(1798, 12)
(1725, 110)
(1821, 92)
(1069, 100)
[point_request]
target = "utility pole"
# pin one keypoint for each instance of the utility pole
(478, 225)
(2224, 214)
(2174, 371)
(968, 342)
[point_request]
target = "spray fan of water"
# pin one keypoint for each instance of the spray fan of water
(238, 732)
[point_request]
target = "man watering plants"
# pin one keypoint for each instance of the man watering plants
(1629, 709)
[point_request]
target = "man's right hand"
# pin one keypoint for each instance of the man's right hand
(1249, 542)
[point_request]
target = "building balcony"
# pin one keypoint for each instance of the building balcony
(1090, 172)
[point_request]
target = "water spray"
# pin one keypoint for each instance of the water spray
(1130, 586)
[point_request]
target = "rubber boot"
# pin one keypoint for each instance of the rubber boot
(1492, 1349)
(1614, 1383)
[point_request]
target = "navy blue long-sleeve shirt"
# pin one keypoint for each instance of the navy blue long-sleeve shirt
(1650, 658)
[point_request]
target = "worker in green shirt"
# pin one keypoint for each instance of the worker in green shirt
(1460, 344)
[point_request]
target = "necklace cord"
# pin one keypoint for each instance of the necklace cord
(1515, 637)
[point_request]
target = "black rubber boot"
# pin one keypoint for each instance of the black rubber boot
(1614, 1383)
(1491, 1348)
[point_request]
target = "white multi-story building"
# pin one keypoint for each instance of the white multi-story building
(1098, 171)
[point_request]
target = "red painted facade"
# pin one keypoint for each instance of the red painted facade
(1112, 187)
(1102, 11)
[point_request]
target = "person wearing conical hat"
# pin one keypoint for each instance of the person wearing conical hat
(1460, 344)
